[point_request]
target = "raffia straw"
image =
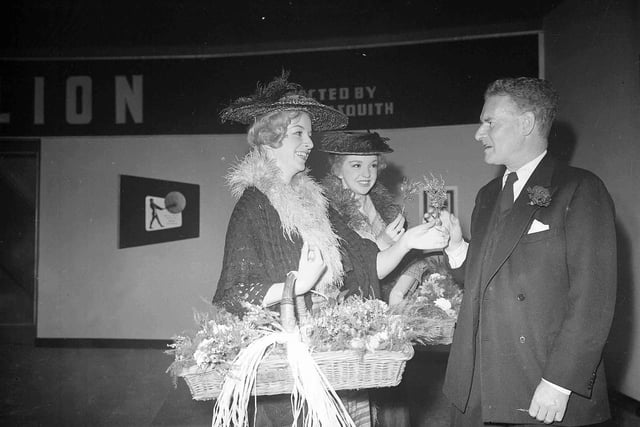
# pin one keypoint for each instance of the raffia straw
(323, 406)
(232, 403)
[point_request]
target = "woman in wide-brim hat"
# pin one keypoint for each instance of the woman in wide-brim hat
(279, 223)
(282, 222)
(279, 208)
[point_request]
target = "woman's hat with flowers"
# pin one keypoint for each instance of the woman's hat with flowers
(354, 143)
(282, 95)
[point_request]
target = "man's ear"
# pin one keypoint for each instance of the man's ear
(527, 122)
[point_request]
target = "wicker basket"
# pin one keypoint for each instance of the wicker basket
(345, 370)
(445, 332)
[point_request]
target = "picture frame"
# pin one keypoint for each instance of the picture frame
(156, 211)
(452, 201)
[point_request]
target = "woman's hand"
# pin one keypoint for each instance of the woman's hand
(427, 236)
(310, 269)
(391, 233)
(400, 289)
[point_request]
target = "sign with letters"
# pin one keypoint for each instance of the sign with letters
(421, 84)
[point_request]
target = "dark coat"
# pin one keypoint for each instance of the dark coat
(542, 304)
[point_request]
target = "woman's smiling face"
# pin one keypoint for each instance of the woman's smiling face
(359, 172)
(291, 156)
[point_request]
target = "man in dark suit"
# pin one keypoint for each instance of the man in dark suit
(539, 276)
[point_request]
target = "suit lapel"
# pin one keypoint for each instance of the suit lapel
(482, 227)
(515, 224)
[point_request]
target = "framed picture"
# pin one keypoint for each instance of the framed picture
(155, 211)
(452, 201)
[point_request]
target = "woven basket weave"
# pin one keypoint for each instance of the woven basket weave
(445, 332)
(345, 370)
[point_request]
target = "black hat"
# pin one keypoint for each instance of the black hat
(282, 95)
(344, 142)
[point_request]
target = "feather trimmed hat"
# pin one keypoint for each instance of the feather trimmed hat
(347, 142)
(282, 95)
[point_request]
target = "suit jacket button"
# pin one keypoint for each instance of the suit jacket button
(520, 297)
(522, 340)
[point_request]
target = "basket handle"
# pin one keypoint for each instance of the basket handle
(288, 303)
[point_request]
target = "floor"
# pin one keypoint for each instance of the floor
(50, 386)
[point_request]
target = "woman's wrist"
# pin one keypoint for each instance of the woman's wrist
(403, 244)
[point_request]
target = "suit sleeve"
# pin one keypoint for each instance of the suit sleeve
(590, 240)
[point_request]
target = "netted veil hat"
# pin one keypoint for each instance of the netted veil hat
(282, 95)
(361, 143)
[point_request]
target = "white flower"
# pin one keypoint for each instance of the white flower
(436, 276)
(205, 343)
(357, 343)
(373, 343)
(443, 304)
(201, 358)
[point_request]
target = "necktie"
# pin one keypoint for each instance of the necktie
(506, 197)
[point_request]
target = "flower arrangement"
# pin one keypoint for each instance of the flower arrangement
(354, 324)
(226, 353)
(539, 196)
(363, 325)
(220, 337)
(433, 186)
(435, 189)
(436, 194)
(430, 312)
(408, 190)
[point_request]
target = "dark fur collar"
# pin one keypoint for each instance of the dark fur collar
(344, 201)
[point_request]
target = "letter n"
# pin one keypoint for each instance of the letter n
(128, 97)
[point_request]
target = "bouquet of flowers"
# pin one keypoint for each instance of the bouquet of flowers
(430, 312)
(434, 189)
(346, 344)
(351, 344)
(363, 325)
(219, 338)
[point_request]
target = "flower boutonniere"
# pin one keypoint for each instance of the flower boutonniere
(539, 196)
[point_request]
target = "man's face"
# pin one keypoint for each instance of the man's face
(500, 132)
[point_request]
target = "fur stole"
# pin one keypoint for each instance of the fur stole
(344, 201)
(301, 206)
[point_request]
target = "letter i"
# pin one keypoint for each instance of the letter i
(38, 100)
(4, 117)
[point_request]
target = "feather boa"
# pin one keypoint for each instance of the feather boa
(301, 206)
(344, 201)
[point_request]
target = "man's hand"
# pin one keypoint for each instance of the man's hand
(451, 223)
(548, 404)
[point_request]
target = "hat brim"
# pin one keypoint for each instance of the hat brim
(322, 116)
(354, 142)
(358, 153)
